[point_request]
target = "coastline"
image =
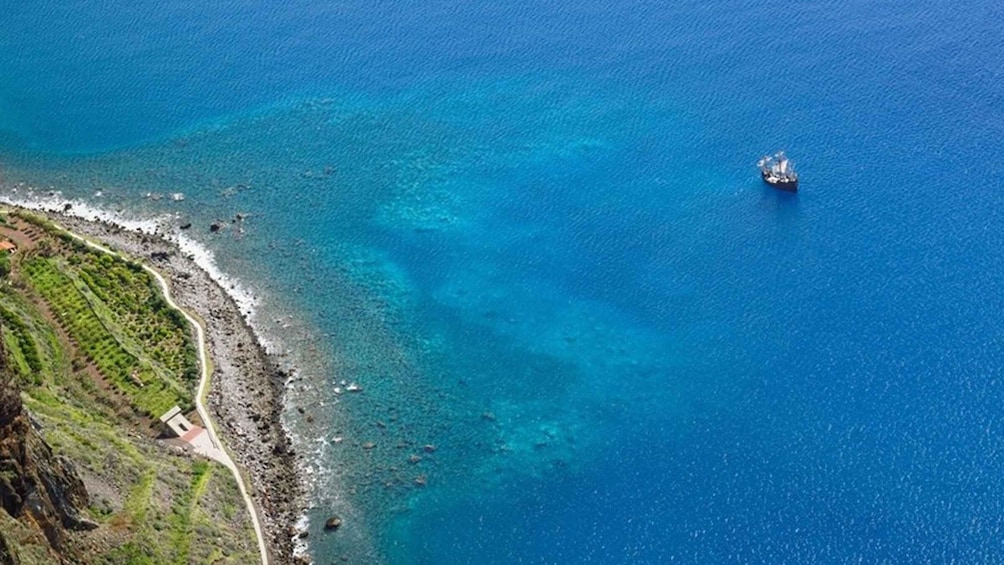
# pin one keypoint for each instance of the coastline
(245, 396)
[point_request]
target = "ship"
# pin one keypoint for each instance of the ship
(779, 172)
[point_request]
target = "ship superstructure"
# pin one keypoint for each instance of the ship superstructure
(779, 172)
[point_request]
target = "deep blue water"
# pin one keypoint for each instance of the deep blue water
(534, 233)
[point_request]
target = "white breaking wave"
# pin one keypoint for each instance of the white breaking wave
(246, 299)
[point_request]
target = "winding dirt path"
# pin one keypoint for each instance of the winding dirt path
(223, 457)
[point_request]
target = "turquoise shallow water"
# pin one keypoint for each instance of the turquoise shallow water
(534, 236)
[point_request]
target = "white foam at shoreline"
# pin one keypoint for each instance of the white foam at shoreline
(201, 255)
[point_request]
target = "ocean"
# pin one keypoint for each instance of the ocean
(534, 235)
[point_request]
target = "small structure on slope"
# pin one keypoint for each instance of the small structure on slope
(195, 436)
(177, 422)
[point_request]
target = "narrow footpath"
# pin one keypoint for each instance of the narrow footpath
(219, 453)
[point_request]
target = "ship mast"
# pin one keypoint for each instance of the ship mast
(779, 172)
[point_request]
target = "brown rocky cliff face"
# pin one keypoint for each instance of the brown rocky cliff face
(37, 487)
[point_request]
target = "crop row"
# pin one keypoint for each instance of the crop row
(140, 309)
(138, 382)
(22, 335)
(129, 292)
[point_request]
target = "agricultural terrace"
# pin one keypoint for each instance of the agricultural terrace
(93, 346)
(113, 312)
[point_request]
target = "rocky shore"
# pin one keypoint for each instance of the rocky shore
(247, 385)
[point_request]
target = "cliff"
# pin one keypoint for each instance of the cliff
(37, 488)
(90, 356)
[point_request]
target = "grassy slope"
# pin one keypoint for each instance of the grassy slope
(121, 324)
(154, 504)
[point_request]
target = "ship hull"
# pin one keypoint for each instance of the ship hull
(785, 185)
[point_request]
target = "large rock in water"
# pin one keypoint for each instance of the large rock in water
(36, 486)
(333, 523)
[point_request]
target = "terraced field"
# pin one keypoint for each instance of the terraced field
(88, 338)
(113, 312)
(129, 372)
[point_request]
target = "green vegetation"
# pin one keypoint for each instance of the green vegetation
(93, 343)
(114, 311)
(183, 510)
(21, 343)
(131, 294)
(31, 345)
(131, 374)
(36, 220)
